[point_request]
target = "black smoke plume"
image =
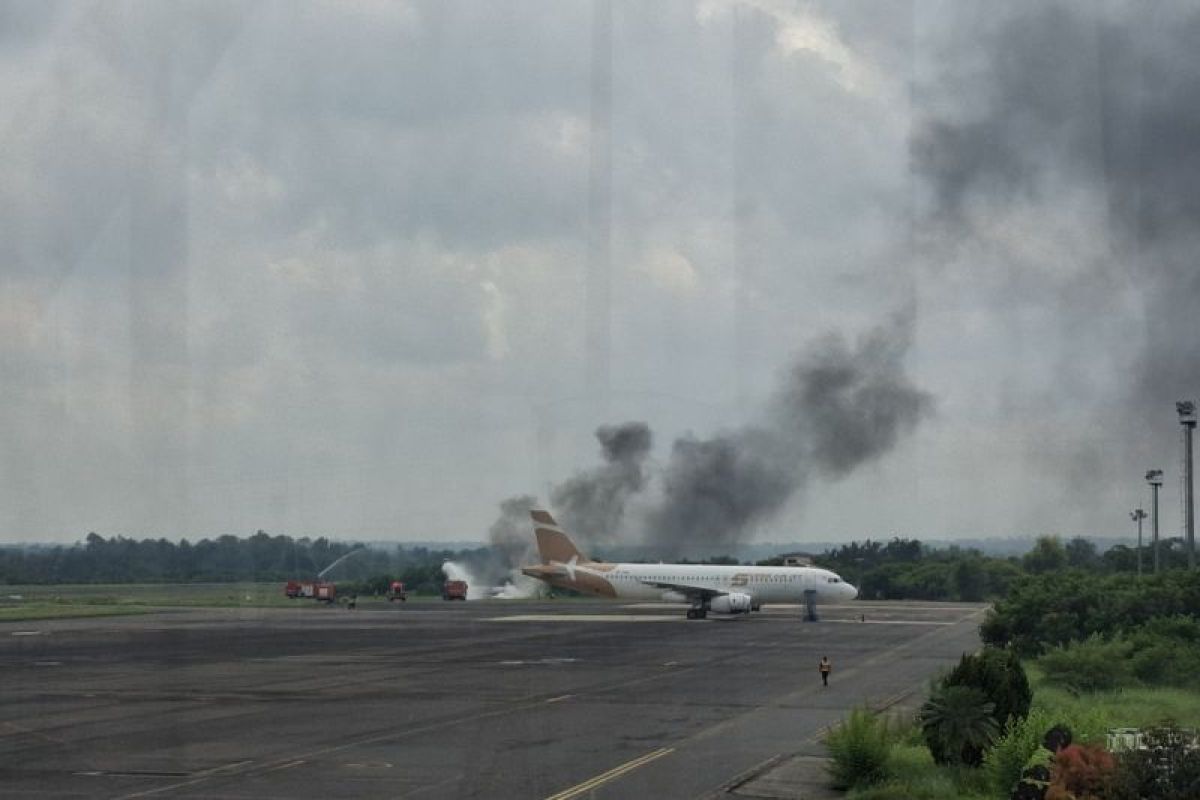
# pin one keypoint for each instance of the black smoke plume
(592, 503)
(838, 408)
(1040, 108)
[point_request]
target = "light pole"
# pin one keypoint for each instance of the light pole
(1137, 515)
(1154, 478)
(1187, 418)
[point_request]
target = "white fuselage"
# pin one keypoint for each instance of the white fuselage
(763, 584)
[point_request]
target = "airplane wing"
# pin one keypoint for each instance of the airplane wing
(691, 592)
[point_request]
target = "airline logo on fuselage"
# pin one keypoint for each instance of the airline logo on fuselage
(740, 579)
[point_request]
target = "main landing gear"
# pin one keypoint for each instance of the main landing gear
(810, 605)
(699, 611)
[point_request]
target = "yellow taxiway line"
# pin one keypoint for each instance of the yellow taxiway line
(612, 774)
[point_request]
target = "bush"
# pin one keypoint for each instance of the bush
(1166, 651)
(1001, 678)
(1080, 771)
(1018, 747)
(858, 750)
(1093, 665)
(958, 725)
(1047, 610)
(908, 759)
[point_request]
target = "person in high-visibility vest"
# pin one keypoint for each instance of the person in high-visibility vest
(826, 667)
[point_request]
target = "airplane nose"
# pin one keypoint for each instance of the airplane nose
(851, 592)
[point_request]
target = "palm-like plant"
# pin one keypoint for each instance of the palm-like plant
(958, 725)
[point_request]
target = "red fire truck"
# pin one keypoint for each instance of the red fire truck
(316, 590)
(396, 592)
(454, 590)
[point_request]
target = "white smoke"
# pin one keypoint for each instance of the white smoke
(519, 587)
(515, 587)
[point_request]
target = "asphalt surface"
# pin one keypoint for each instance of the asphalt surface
(467, 700)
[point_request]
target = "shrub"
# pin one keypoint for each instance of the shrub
(1166, 651)
(1093, 665)
(958, 725)
(906, 759)
(1018, 747)
(1000, 676)
(1079, 772)
(858, 750)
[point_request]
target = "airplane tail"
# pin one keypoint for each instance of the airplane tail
(553, 544)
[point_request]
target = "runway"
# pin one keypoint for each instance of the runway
(487, 699)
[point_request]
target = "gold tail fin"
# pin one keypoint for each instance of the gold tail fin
(554, 544)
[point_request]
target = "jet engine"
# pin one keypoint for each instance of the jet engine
(734, 603)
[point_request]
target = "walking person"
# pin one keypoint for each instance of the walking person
(826, 667)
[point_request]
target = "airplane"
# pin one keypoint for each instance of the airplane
(720, 589)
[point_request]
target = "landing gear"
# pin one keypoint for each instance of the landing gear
(699, 611)
(810, 605)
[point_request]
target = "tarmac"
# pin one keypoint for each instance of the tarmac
(489, 699)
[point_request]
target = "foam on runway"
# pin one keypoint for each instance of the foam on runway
(588, 618)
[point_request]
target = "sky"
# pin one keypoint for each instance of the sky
(367, 270)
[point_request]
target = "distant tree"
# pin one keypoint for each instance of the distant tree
(970, 579)
(902, 550)
(1001, 575)
(1120, 558)
(1081, 554)
(1047, 555)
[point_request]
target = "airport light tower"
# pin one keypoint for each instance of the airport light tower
(1187, 418)
(1137, 515)
(1154, 478)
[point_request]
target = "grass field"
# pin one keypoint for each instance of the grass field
(35, 611)
(1093, 714)
(94, 600)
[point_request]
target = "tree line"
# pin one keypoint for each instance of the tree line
(899, 569)
(257, 558)
(905, 569)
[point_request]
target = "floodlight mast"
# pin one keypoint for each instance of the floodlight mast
(1187, 418)
(1137, 515)
(1155, 478)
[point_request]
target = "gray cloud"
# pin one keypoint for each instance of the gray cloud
(294, 264)
(1047, 109)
